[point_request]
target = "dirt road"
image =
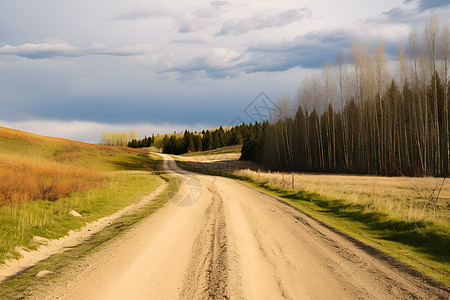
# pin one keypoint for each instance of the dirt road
(219, 239)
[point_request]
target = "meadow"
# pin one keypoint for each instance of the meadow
(407, 198)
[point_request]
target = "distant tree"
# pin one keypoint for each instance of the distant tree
(106, 139)
(133, 134)
(207, 141)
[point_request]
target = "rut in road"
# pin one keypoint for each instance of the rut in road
(207, 272)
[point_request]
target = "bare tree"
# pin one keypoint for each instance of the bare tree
(431, 42)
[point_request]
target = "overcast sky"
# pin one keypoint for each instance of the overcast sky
(76, 68)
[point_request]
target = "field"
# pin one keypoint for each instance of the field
(407, 198)
(43, 178)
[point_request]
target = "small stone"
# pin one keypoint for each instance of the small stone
(40, 240)
(74, 214)
(44, 273)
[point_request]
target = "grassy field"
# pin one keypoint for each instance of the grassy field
(392, 214)
(43, 178)
(405, 198)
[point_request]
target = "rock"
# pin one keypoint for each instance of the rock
(40, 240)
(44, 273)
(74, 214)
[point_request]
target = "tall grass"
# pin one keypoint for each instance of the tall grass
(51, 219)
(23, 179)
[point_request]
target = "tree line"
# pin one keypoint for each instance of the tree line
(251, 136)
(142, 143)
(369, 115)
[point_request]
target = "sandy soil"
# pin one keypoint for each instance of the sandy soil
(219, 239)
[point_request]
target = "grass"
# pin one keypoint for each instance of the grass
(405, 198)
(223, 150)
(23, 179)
(43, 178)
(20, 223)
(361, 207)
(26, 284)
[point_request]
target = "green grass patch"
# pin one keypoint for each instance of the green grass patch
(118, 161)
(423, 245)
(32, 149)
(20, 223)
(27, 284)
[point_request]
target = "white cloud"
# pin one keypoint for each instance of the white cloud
(133, 15)
(263, 20)
(56, 48)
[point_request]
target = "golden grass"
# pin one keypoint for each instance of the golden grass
(35, 167)
(23, 179)
(404, 197)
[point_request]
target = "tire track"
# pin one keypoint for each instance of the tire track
(207, 272)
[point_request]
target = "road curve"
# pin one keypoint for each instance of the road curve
(219, 239)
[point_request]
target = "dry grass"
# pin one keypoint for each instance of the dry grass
(403, 197)
(21, 135)
(23, 179)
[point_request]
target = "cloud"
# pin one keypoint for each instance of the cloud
(185, 22)
(219, 4)
(190, 40)
(137, 14)
(424, 5)
(410, 14)
(306, 51)
(51, 48)
(262, 21)
(188, 25)
(212, 63)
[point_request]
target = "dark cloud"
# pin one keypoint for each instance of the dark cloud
(398, 14)
(261, 21)
(187, 26)
(424, 5)
(309, 51)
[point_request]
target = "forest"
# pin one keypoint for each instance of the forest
(369, 114)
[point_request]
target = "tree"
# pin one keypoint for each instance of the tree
(107, 139)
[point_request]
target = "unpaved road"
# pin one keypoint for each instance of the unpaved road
(219, 239)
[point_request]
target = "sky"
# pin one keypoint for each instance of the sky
(77, 68)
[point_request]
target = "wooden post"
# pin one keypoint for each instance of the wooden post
(293, 181)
